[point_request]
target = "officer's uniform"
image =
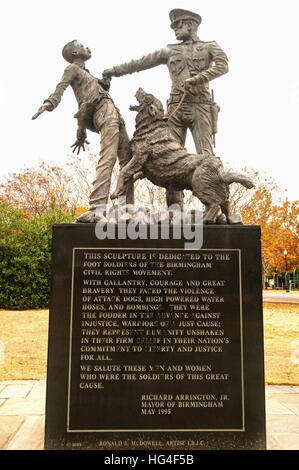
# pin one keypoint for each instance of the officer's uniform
(195, 58)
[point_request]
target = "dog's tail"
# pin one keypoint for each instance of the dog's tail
(229, 177)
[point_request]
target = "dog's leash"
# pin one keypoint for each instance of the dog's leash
(178, 106)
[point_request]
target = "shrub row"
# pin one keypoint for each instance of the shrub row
(25, 257)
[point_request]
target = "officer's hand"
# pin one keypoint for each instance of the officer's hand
(189, 83)
(105, 82)
(47, 106)
(78, 145)
(108, 73)
(106, 79)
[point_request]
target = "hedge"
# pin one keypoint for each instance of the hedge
(25, 257)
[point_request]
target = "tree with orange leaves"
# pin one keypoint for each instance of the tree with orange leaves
(277, 217)
(39, 190)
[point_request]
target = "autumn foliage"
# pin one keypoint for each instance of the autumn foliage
(37, 190)
(278, 218)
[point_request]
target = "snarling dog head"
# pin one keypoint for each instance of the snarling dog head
(147, 102)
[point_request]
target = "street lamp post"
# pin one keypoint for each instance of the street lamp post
(287, 276)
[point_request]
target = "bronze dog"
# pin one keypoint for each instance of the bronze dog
(160, 158)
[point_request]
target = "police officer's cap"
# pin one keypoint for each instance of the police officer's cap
(178, 14)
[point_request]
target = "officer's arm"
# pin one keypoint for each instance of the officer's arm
(66, 80)
(219, 66)
(146, 62)
(219, 63)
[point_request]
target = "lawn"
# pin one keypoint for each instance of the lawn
(281, 331)
(25, 336)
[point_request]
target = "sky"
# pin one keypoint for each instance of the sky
(259, 97)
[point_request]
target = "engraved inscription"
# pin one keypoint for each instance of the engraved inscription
(158, 332)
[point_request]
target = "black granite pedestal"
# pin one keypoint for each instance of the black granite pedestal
(152, 346)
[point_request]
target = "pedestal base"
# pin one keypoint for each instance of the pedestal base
(152, 346)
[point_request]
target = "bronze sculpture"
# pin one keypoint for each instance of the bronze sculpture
(192, 64)
(162, 159)
(157, 145)
(98, 113)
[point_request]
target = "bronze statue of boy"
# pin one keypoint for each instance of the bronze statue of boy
(97, 113)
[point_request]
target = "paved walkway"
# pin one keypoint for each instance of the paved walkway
(281, 297)
(22, 408)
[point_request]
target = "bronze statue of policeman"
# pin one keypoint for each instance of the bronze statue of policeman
(192, 64)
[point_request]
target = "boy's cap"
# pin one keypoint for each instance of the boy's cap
(178, 14)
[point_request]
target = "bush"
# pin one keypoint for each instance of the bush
(25, 257)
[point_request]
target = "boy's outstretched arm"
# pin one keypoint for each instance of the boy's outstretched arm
(53, 101)
(45, 107)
